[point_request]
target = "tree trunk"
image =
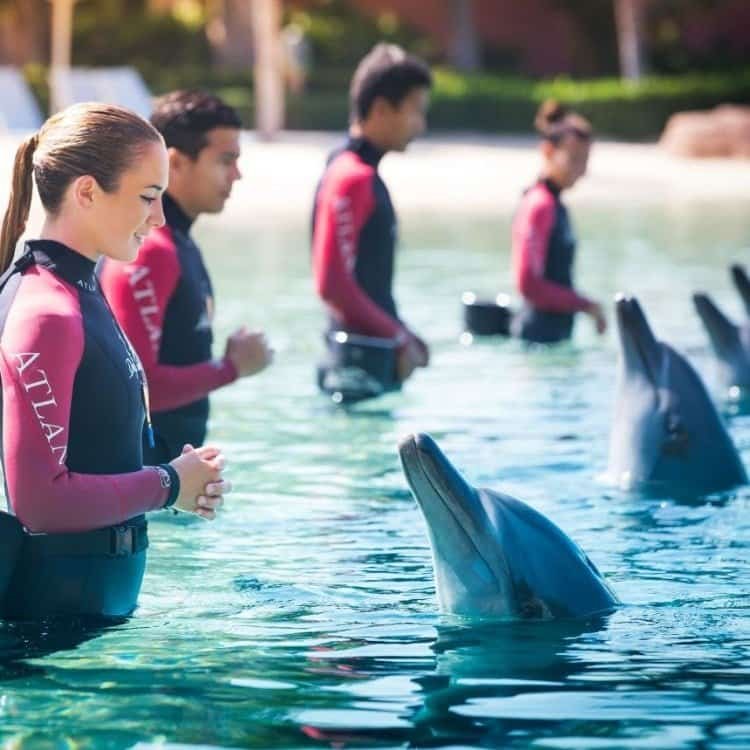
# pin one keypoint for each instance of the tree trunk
(160, 6)
(62, 52)
(24, 32)
(464, 47)
(628, 17)
(268, 73)
(230, 32)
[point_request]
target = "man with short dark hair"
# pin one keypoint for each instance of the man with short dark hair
(354, 224)
(164, 299)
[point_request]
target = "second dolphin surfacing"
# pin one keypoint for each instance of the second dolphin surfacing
(666, 433)
(493, 555)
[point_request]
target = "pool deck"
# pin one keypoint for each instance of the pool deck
(455, 174)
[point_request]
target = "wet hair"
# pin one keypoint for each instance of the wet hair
(184, 117)
(554, 121)
(100, 140)
(387, 71)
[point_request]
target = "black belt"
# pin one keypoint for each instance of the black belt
(113, 541)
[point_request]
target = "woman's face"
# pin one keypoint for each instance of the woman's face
(567, 159)
(124, 217)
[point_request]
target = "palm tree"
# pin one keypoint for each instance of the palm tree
(464, 50)
(628, 18)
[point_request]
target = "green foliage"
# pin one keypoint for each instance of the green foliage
(481, 102)
(504, 104)
(616, 108)
(108, 32)
(340, 35)
(36, 76)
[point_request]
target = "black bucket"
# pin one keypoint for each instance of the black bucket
(487, 317)
(357, 367)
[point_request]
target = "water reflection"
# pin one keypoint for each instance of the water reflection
(489, 661)
(22, 641)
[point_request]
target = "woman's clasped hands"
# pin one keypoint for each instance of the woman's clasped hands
(202, 485)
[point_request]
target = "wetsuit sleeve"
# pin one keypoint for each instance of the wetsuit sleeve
(532, 228)
(139, 294)
(342, 211)
(39, 356)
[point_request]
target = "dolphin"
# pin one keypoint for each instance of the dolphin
(730, 342)
(742, 284)
(493, 555)
(666, 432)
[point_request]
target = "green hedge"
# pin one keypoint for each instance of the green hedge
(480, 103)
(493, 104)
(617, 108)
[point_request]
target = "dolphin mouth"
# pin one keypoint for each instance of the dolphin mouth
(723, 334)
(427, 468)
(423, 461)
(641, 351)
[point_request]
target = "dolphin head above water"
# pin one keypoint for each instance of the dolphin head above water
(493, 555)
(730, 342)
(666, 431)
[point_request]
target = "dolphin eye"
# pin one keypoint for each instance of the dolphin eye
(534, 609)
(677, 438)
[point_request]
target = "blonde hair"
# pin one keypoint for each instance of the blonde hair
(100, 140)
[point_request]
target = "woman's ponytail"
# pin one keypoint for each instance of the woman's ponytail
(19, 203)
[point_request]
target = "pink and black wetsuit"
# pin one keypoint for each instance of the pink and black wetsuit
(73, 419)
(164, 303)
(353, 244)
(543, 255)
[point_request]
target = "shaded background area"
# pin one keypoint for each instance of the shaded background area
(495, 59)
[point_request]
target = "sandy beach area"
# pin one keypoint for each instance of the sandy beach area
(454, 174)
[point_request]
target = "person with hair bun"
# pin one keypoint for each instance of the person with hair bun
(74, 396)
(543, 240)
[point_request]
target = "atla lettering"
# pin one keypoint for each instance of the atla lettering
(89, 286)
(35, 382)
(204, 322)
(345, 230)
(132, 367)
(144, 295)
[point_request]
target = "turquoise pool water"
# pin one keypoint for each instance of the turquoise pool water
(305, 616)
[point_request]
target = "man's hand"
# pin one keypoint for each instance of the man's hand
(249, 352)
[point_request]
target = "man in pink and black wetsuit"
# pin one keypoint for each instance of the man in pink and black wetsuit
(164, 299)
(354, 224)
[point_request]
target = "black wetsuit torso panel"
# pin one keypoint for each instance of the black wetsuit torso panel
(106, 420)
(187, 337)
(376, 243)
(531, 323)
